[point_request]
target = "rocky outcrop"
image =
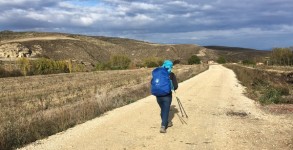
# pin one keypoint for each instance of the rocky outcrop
(14, 50)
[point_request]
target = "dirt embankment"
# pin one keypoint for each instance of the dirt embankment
(220, 117)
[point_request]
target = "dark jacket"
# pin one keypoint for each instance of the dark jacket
(174, 80)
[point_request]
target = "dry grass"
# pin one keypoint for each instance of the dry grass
(35, 107)
(276, 68)
(266, 85)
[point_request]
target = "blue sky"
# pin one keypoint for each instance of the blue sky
(260, 24)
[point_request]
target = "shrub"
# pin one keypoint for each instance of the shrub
(270, 96)
(69, 66)
(48, 66)
(103, 66)
(153, 62)
(248, 62)
(193, 60)
(119, 62)
(283, 90)
(24, 65)
(116, 62)
(221, 60)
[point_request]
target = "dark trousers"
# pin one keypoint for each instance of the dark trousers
(164, 103)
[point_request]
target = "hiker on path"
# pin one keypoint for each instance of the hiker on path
(164, 99)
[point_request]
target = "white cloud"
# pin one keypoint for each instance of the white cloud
(142, 17)
(207, 7)
(36, 16)
(159, 20)
(13, 2)
(178, 3)
(144, 6)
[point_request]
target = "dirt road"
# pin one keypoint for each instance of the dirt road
(220, 117)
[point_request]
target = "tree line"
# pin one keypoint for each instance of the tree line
(41, 66)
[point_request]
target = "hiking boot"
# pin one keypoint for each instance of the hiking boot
(170, 124)
(163, 129)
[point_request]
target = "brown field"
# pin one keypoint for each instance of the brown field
(38, 106)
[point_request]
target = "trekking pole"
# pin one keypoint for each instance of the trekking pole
(181, 106)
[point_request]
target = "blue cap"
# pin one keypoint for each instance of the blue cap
(168, 64)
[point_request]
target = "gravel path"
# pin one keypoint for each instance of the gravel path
(220, 117)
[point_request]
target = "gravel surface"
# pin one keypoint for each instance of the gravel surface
(220, 117)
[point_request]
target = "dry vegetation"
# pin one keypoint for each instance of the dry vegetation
(91, 50)
(273, 87)
(38, 106)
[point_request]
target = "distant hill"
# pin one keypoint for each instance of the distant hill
(93, 49)
(235, 54)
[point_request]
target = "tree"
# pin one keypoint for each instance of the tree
(24, 65)
(193, 60)
(221, 60)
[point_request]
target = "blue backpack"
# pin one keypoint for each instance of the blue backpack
(160, 83)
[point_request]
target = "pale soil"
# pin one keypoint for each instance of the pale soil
(38, 38)
(202, 52)
(214, 102)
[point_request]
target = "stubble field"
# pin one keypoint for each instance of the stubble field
(37, 106)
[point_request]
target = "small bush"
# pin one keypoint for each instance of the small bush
(153, 62)
(248, 62)
(221, 60)
(270, 96)
(119, 62)
(193, 60)
(103, 66)
(283, 90)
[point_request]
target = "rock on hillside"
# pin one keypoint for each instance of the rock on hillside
(15, 50)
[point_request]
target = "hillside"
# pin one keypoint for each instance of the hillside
(92, 49)
(235, 54)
